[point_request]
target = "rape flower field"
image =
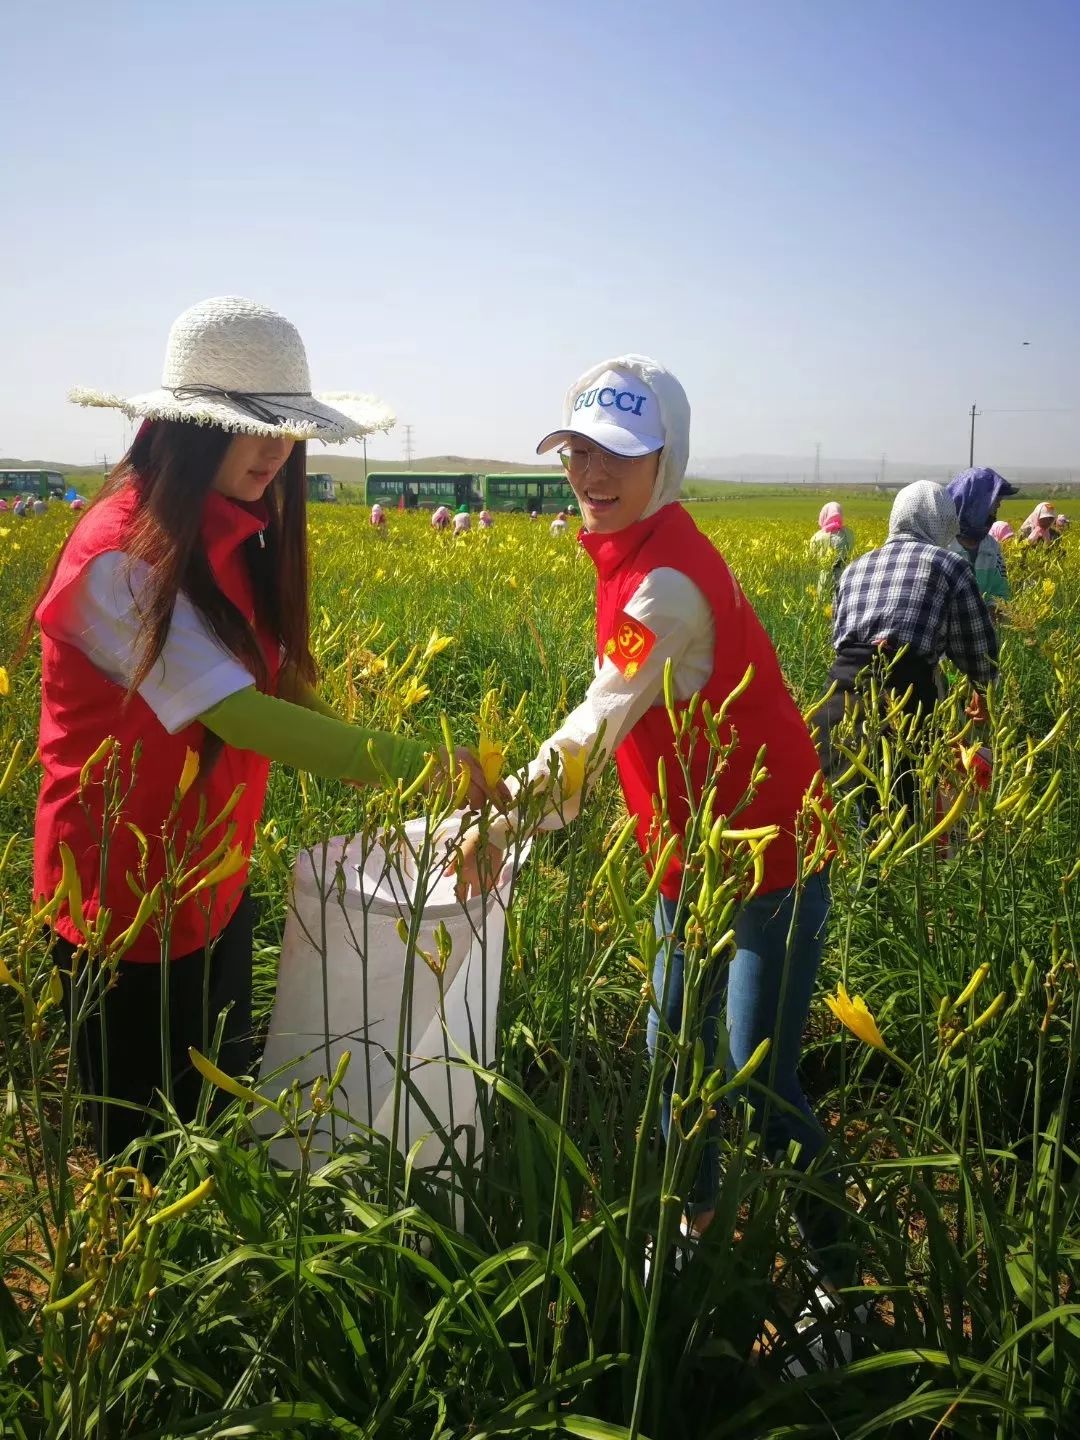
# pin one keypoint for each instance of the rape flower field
(364, 1299)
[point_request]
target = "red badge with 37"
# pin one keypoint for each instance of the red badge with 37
(630, 644)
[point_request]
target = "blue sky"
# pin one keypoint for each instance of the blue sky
(835, 220)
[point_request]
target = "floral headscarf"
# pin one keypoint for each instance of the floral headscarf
(924, 511)
(831, 518)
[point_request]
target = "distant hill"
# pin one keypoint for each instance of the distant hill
(347, 468)
(839, 470)
(8, 463)
(703, 473)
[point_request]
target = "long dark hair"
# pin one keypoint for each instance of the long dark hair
(173, 463)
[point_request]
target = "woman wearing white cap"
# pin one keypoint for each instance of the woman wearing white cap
(665, 594)
(175, 625)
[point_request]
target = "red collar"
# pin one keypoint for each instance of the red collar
(610, 553)
(226, 524)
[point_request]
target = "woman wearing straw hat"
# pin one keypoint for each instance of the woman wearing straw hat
(175, 623)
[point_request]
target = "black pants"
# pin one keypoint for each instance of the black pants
(126, 1024)
(850, 699)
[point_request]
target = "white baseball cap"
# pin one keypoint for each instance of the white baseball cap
(616, 411)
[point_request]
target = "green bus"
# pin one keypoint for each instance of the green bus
(43, 484)
(321, 487)
(422, 490)
(546, 492)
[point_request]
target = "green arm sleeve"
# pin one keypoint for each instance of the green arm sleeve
(291, 687)
(308, 740)
(306, 696)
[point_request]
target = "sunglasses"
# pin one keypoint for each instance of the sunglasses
(576, 461)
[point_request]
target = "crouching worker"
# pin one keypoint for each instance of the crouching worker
(175, 625)
(902, 607)
(664, 593)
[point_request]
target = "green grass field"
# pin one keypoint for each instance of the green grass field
(348, 1302)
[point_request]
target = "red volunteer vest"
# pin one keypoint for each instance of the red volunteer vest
(81, 707)
(765, 714)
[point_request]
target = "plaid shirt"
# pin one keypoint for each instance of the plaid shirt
(909, 593)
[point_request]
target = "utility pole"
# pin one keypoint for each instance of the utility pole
(971, 448)
(817, 463)
(365, 463)
(408, 445)
(881, 478)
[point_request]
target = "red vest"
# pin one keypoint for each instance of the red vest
(765, 714)
(81, 707)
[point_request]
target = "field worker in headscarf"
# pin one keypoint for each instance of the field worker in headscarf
(1061, 524)
(440, 518)
(977, 494)
(558, 525)
(1001, 530)
(831, 545)
(487, 520)
(913, 595)
(462, 520)
(378, 517)
(664, 593)
(1038, 528)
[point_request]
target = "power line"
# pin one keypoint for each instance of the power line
(1017, 410)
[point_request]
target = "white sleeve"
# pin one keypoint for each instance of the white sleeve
(677, 614)
(99, 613)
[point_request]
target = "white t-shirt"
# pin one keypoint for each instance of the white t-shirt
(99, 614)
(669, 604)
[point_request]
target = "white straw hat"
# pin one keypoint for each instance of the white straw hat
(235, 364)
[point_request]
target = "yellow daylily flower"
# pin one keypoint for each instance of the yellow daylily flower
(853, 1014)
(5, 683)
(189, 772)
(492, 758)
(414, 692)
(233, 861)
(571, 771)
(437, 644)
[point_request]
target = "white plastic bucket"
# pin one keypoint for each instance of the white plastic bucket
(343, 984)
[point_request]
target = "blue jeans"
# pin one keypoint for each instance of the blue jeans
(768, 988)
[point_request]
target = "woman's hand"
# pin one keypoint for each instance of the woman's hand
(480, 793)
(476, 865)
(976, 709)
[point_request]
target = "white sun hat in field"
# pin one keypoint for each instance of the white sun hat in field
(238, 365)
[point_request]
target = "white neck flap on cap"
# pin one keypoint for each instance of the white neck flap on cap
(674, 411)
